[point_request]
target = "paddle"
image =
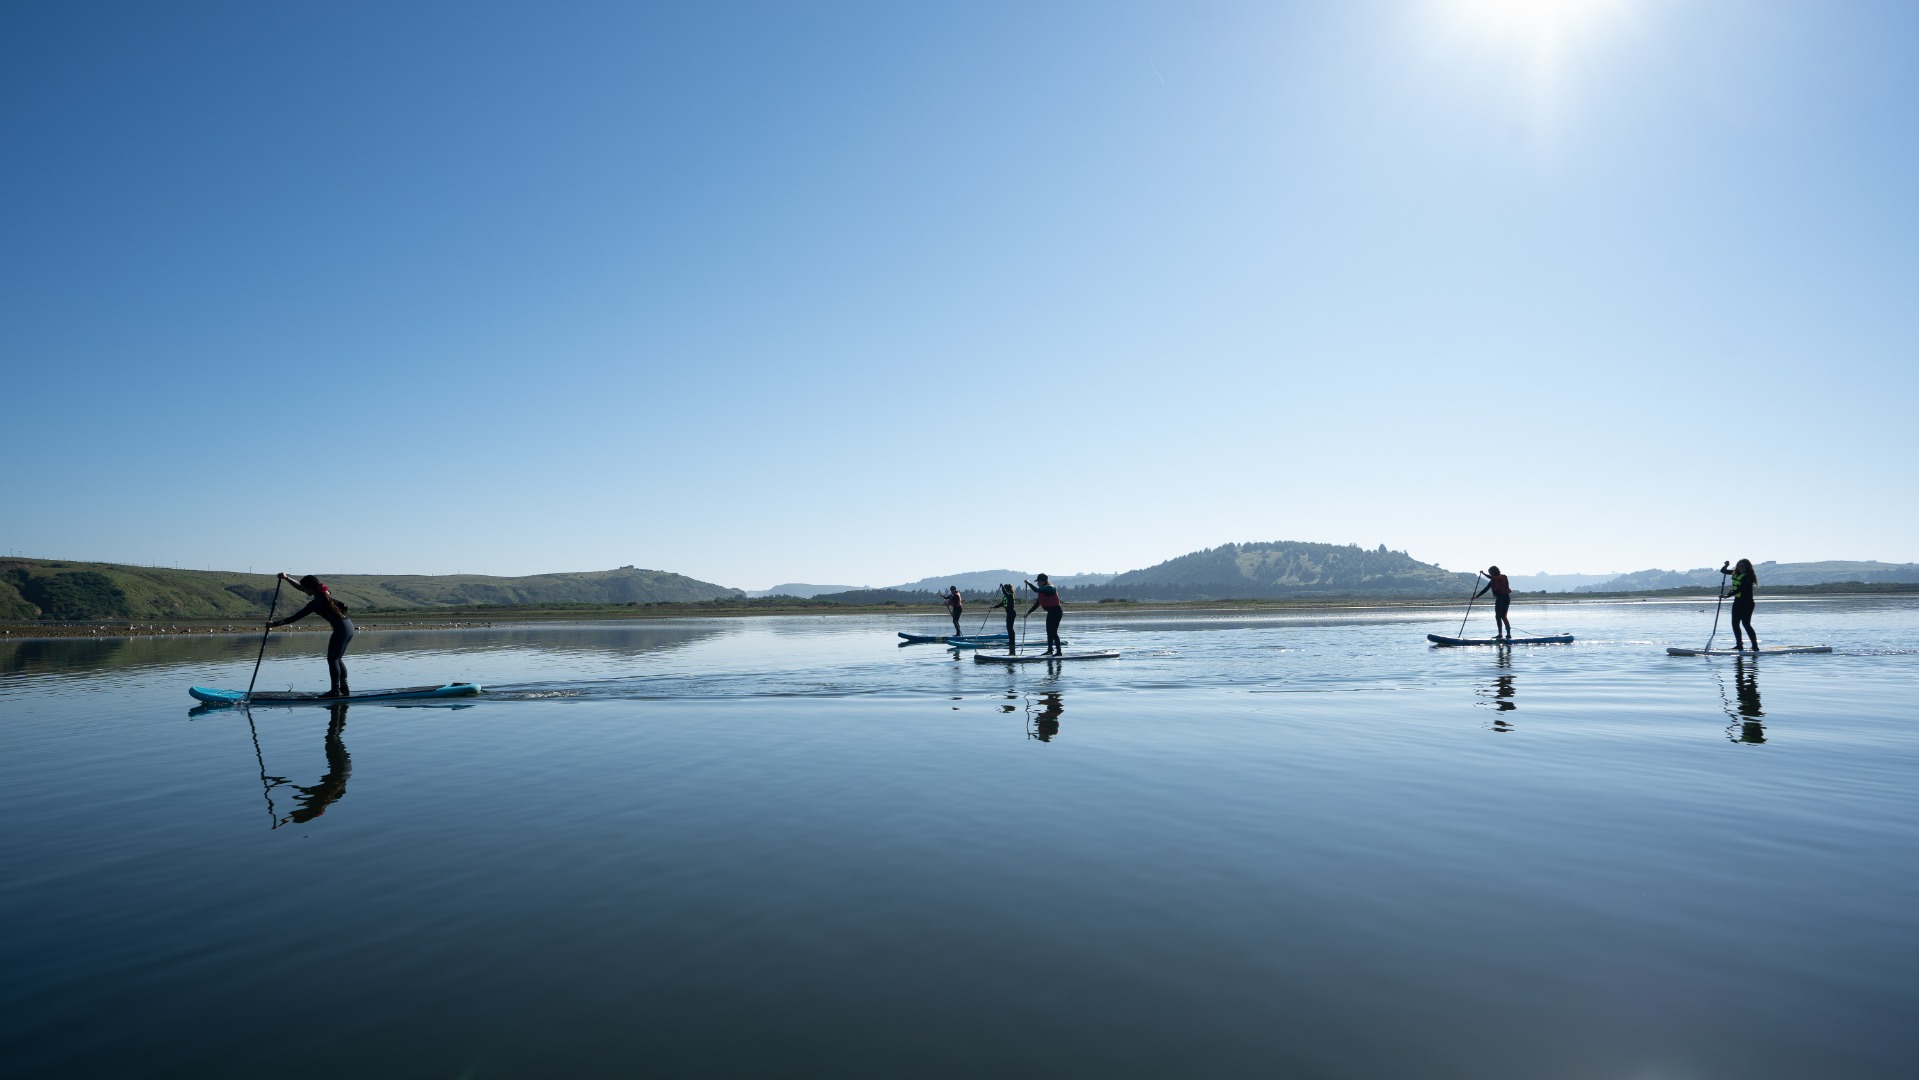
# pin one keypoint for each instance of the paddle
(1469, 604)
(268, 629)
(1715, 609)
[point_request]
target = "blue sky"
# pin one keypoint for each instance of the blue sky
(863, 292)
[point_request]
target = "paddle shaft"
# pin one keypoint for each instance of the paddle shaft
(1469, 605)
(1715, 614)
(264, 631)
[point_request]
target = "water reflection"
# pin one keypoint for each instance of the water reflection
(1044, 724)
(1742, 706)
(1501, 695)
(309, 800)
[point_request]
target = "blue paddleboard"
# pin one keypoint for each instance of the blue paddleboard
(284, 697)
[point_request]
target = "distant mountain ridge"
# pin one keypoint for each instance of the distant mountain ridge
(990, 580)
(52, 589)
(1831, 571)
(801, 590)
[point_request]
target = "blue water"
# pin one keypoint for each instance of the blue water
(1302, 845)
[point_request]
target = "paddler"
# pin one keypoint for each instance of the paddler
(1739, 587)
(1011, 605)
(1502, 591)
(325, 606)
(1046, 596)
(952, 598)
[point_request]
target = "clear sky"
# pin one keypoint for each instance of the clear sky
(857, 293)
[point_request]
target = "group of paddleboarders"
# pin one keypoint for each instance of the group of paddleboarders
(1045, 597)
(1739, 587)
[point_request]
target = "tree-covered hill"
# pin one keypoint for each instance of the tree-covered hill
(48, 589)
(1285, 568)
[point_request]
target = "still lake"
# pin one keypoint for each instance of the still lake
(1303, 844)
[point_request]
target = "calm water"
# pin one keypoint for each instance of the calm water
(1302, 845)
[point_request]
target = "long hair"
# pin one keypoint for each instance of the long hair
(1744, 566)
(316, 587)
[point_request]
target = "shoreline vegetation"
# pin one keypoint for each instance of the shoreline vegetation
(486, 616)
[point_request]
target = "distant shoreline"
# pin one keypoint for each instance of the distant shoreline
(494, 617)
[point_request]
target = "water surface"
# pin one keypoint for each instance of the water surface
(1305, 844)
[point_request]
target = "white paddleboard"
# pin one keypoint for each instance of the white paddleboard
(1040, 657)
(1769, 650)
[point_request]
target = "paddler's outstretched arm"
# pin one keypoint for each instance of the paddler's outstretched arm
(312, 607)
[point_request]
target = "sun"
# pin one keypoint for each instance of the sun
(1536, 21)
(1547, 38)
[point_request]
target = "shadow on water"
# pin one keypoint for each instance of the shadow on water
(1742, 705)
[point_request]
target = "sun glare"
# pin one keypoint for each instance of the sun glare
(1533, 20)
(1546, 36)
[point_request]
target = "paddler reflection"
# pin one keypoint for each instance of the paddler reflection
(1744, 710)
(1045, 723)
(311, 802)
(1502, 695)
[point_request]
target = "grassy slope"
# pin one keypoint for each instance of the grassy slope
(113, 590)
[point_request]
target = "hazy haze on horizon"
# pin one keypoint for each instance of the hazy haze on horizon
(765, 293)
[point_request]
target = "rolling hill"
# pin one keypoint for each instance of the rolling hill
(55, 590)
(1285, 568)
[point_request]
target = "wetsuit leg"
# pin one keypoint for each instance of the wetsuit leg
(1500, 604)
(1053, 616)
(335, 653)
(1010, 635)
(956, 625)
(1742, 616)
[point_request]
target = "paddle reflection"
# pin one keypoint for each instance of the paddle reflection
(1743, 707)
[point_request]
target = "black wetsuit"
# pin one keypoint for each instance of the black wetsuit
(322, 605)
(1742, 604)
(953, 608)
(1054, 612)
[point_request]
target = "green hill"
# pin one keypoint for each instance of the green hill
(52, 590)
(1285, 568)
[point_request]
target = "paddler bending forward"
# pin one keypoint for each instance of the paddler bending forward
(1046, 596)
(1502, 591)
(325, 606)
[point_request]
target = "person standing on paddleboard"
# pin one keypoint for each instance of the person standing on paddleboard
(1502, 591)
(1011, 605)
(953, 608)
(1046, 596)
(325, 606)
(1740, 589)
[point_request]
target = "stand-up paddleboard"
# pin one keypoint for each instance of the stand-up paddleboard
(271, 697)
(1557, 639)
(1040, 657)
(985, 643)
(942, 639)
(1769, 650)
